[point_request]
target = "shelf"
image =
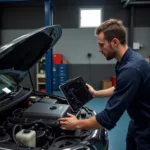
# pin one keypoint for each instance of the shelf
(59, 76)
(41, 83)
(40, 75)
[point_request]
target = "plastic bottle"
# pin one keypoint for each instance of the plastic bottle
(27, 137)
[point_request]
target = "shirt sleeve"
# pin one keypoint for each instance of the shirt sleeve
(126, 88)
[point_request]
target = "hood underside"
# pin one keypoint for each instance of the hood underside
(19, 55)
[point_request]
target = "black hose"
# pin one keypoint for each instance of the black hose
(14, 135)
(35, 122)
(71, 136)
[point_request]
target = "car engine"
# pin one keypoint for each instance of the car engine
(34, 123)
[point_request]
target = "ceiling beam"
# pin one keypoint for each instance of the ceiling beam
(130, 2)
(139, 3)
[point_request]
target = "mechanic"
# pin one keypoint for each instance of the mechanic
(131, 93)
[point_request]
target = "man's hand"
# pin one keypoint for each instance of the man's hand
(101, 93)
(68, 123)
(72, 123)
(91, 90)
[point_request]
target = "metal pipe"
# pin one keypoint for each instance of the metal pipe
(131, 29)
(127, 2)
(49, 55)
(140, 3)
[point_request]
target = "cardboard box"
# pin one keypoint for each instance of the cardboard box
(106, 84)
(64, 61)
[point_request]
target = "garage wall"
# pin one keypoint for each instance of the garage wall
(75, 44)
(28, 15)
(19, 18)
(22, 15)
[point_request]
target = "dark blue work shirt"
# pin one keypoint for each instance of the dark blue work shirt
(132, 92)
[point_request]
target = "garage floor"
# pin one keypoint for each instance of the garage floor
(118, 134)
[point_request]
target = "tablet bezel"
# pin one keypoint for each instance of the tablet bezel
(62, 86)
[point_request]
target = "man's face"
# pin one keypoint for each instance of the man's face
(105, 47)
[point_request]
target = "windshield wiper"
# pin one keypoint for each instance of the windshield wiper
(8, 95)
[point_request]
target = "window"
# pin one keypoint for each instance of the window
(90, 17)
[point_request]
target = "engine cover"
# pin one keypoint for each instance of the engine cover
(47, 111)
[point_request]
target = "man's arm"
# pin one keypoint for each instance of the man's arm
(72, 123)
(101, 93)
(125, 91)
(128, 83)
(105, 93)
(90, 123)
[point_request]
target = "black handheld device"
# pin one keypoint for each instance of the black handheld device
(76, 93)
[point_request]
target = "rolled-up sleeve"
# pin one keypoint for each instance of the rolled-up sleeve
(128, 82)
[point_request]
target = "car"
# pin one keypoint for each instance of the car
(29, 118)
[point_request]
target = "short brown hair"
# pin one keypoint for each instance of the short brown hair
(112, 28)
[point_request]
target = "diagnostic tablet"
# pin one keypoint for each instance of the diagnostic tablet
(76, 93)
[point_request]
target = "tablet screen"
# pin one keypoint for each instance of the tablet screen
(76, 93)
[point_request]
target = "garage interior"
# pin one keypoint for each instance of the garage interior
(77, 50)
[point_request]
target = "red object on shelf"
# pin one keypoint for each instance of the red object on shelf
(43, 90)
(114, 80)
(57, 58)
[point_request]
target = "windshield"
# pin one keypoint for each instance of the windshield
(6, 86)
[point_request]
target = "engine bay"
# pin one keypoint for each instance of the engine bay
(29, 118)
(33, 122)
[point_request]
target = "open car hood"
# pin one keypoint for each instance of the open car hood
(19, 55)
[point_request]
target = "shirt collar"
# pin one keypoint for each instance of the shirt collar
(124, 58)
